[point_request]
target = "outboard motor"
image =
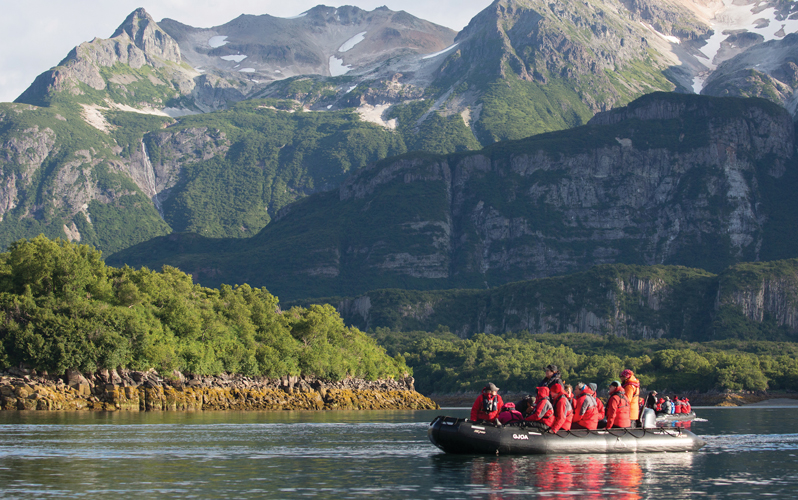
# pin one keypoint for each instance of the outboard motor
(648, 418)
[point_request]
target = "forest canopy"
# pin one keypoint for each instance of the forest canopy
(63, 308)
(444, 363)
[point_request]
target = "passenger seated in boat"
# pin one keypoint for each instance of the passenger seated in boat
(617, 407)
(509, 415)
(678, 406)
(585, 409)
(687, 406)
(658, 407)
(563, 411)
(525, 405)
(542, 415)
(569, 393)
(552, 376)
(667, 406)
(599, 402)
(651, 400)
(487, 406)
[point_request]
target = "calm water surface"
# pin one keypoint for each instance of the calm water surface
(750, 453)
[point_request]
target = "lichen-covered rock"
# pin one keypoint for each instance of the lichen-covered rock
(146, 391)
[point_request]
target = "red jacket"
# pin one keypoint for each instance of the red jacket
(658, 408)
(563, 411)
(544, 411)
(687, 406)
(618, 409)
(494, 403)
(509, 414)
(600, 408)
(586, 411)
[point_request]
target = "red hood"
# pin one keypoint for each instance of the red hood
(543, 392)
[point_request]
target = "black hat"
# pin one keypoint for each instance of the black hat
(552, 368)
(492, 387)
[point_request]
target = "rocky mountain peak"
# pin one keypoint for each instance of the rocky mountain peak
(148, 36)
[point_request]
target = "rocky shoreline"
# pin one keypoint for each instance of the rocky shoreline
(126, 390)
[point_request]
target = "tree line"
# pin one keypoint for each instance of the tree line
(444, 363)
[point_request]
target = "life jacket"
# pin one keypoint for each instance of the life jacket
(544, 411)
(658, 408)
(563, 413)
(620, 416)
(687, 406)
(586, 414)
(490, 403)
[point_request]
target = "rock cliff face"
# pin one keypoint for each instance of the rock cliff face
(747, 301)
(679, 173)
(670, 179)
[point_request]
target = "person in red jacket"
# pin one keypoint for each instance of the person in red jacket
(563, 411)
(631, 388)
(687, 406)
(599, 402)
(488, 405)
(542, 415)
(679, 405)
(617, 407)
(509, 414)
(585, 408)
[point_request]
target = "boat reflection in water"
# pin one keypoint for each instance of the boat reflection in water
(594, 477)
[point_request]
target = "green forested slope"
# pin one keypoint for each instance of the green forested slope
(65, 309)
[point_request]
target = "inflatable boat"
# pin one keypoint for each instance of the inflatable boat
(676, 417)
(458, 435)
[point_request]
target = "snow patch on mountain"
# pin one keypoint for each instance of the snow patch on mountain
(237, 58)
(671, 39)
(436, 54)
(350, 44)
(337, 67)
(217, 41)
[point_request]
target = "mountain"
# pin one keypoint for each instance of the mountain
(165, 128)
(670, 179)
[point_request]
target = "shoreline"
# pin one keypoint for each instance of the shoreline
(126, 390)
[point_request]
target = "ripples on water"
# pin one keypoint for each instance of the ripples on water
(353, 455)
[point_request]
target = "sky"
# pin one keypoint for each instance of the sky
(35, 35)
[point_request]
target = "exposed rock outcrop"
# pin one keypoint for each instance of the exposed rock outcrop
(147, 391)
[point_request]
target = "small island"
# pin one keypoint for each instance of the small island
(80, 335)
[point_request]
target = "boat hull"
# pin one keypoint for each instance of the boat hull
(460, 436)
(676, 417)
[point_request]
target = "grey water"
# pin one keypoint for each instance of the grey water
(750, 453)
